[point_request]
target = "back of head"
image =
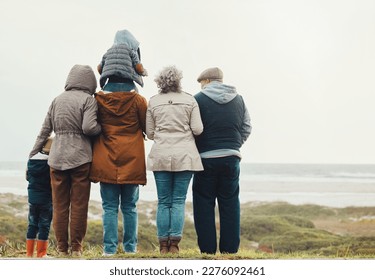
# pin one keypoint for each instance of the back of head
(169, 80)
(125, 37)
(212, 74)
(81, 77)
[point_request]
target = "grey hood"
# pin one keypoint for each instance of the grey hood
(81, 77)
(219, 92)
(125, 37)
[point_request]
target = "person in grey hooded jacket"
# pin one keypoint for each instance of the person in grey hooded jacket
(227, 126)
(72, 116)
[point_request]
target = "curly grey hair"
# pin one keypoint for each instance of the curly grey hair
(169, 80)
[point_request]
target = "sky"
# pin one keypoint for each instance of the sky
(305, 68)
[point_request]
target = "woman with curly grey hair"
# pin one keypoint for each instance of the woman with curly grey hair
(172, 121)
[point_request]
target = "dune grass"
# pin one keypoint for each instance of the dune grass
(268, 231)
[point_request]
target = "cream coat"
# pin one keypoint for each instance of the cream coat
(172, 120)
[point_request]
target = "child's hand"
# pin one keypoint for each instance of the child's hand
(140, 70)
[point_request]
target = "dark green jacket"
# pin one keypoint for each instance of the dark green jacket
(39, 187)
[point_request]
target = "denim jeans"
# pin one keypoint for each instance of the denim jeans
(171, 189)
(125, 196)
(40, 218)
(219, 180)
(115, 87)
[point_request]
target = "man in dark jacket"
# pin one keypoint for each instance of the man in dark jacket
(226, 123)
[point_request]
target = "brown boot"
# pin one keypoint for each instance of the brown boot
(173, 245)
(30, 245)
(41, 248)
(163, 246)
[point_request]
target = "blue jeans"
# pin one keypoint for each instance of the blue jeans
(219, 180)
(39, 219)
(115, 87)
(171, 188)
(125, 196)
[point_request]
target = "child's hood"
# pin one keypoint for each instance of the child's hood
(81, 77)
(125, 37)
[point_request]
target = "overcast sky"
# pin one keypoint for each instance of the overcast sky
(306, 69)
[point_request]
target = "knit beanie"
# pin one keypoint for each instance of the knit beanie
(212, 74)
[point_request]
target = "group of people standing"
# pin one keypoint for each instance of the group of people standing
(101, 140)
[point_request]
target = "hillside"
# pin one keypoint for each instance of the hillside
(267, 229)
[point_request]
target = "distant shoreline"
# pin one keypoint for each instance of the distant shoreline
(328, 185)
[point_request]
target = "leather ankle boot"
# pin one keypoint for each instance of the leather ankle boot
(164, 246)
(173, 245)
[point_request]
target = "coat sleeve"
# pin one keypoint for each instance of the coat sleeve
(150, 124)
(196, 124)
(142, 108)
(246, 125)
(134, 57)
(90, 125)
(44, 133)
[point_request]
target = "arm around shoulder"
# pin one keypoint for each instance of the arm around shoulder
(90, 125)
(150, 124)
(196, 124)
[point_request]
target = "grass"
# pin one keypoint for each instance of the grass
(268, 231)
(12, 250)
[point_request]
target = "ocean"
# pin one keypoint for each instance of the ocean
(332, 185)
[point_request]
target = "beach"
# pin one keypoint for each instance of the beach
(326, 185)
